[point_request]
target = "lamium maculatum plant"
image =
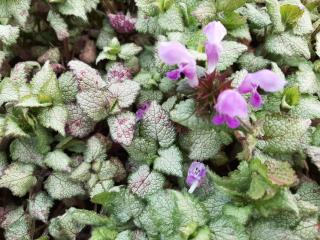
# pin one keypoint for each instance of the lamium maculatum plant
(159, 119)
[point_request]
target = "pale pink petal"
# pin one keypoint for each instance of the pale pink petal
(268, 80)
(174, 53)
(215, 32)
(213, 52)
(247, 84)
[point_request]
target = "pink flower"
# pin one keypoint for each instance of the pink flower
(230, 106)
(122, 23)
(196, 175)
(174, 53)
(143, 108)
(266, 80)
(214, 32)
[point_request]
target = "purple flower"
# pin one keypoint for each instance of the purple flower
(122, 23)
(230, 106)
(143, 108)
(196, 175)
(266, 80)
(174, 53)
(214, 32)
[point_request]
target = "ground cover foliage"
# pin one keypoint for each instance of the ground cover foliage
(96, 140)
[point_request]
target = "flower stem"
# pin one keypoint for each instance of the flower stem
(245, 125)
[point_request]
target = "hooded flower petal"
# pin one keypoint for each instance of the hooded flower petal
(229, 107)
(265, 79)
(213, 52)
(268, 80)
(215, 32)
(248, 84)
(232, 104)
(173, 53)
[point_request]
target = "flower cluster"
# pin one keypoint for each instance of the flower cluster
(231, 105)
(174, 53)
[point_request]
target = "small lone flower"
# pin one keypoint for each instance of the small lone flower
(174, 53)
(229, 106)
(196, 175)
(143, 108)
(266, 80)
(215, 32)
(122, 23)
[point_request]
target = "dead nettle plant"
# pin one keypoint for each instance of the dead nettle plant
(159, 119)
